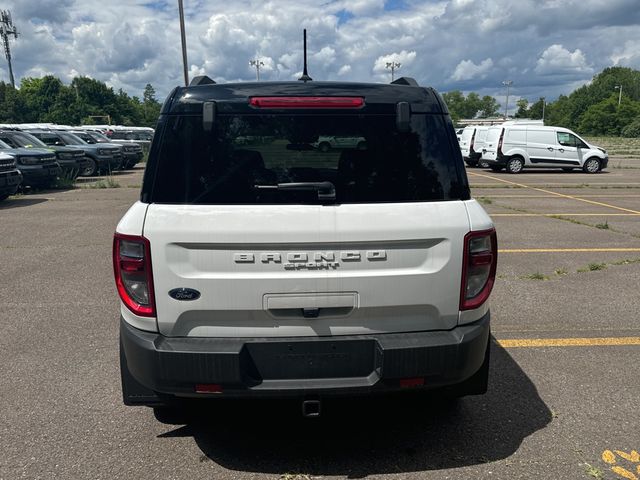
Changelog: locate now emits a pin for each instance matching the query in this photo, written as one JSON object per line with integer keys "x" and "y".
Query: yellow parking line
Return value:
{"x": 565, "y": 250}
{"x": 568, "y": 342}
{"x": 564, "y": 214}
{"x": 522, "y": 185}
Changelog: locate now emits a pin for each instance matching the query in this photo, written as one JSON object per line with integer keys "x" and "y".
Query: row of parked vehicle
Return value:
{"x": 37, "y": 155}
{"x": 519, "y": 144}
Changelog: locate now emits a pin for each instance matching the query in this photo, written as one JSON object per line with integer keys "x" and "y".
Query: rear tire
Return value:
{"x": 592, "y": 165}
{"x": 515, "y": 165}
{"x": 483, "y": 164}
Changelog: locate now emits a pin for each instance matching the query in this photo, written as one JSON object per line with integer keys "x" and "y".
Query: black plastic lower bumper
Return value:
{"x": 39, "y": 175}
{"x": 154, "y": 366}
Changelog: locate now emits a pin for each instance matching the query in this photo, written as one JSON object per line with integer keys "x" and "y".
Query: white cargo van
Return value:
{"x": 516, "y": 146}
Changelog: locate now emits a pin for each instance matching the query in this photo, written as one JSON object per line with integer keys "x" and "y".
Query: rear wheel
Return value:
{"x": 483, "y": 164}
{"x": 592, "y": 165}
{"x": 515, "y": 165}
{"x": 90, "y": 169}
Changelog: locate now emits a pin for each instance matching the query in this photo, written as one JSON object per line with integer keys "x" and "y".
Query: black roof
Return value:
{"x": 234, "y": 97}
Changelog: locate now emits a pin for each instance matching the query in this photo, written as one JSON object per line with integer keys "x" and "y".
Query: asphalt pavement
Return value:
{"x": 564, "y": 393}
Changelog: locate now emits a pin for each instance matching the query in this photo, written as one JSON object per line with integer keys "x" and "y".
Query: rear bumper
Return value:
{"x": 155, "y": 367}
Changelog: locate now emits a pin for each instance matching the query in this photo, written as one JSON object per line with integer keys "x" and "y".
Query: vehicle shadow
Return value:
{"x": 361, "y": 437}
{"x": 16, "y": 202}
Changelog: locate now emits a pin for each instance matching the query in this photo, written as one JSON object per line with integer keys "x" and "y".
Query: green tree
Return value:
{"x": 523, "y": 108}
{"x": 489, "y": 107}
{"x": 609, "y": 118}
{"x": 535, "y": 110}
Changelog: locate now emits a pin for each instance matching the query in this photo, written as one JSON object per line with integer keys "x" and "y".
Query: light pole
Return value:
{"x": 183, "y": 38}
{"x": 393, "y": 66}
{"x": 257, "y": 63}
{"x": 543, "y": 105}
{"x": 508, "y": 84}
{"x": 619, "y": 87}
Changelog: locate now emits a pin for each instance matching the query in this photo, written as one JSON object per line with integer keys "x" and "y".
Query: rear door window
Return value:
{"x": 363, "y": 156}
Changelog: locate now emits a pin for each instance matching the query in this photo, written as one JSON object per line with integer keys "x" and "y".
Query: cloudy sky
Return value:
{"x": 547, "y": 47}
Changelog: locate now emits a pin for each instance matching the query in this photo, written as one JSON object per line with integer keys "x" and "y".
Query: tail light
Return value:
{"x": 500, "y": 143}
{"x": 132, "y": 269}
{"x": 478, "y": 268}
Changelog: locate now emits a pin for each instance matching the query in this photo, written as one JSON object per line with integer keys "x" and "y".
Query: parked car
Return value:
{"x": 10, "y": 176}
{"x": 132, "y": 152}
{"x": 38, "y": 167}
{"x": 71, "y": 160}
{"x": 276, "y": 270}
{"x": 519, "y": 146}
{"x": 324, "y": 144}
{"x": 127, "y": 136}
{"x": 101, "y": 159}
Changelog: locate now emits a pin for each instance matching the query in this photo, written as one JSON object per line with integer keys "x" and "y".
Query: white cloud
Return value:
{"x": 467, "y": 70}
{"x": 558, "y": 60}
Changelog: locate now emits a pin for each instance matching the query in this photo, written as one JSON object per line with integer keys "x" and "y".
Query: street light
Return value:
{"x": 508, "y": 84}
{"x": 543, "y": 105}
{"x": 393, "y": 66}
{"x": 619, "y": 87}
{"x": 257, "y": 63}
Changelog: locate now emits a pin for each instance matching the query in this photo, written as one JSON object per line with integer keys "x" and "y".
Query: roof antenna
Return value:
{"x": 305, "y": 76}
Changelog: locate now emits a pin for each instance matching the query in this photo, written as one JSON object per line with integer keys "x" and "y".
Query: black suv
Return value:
{"x": 131, "y": 152}
{"x": 71, "y": 160}
{"x": 39, "y": 168}
{"x": 10, "y": 176}
{"x": 101, "y": 159}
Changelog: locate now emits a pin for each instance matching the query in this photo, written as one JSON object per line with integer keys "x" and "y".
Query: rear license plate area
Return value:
{"x": 309, "y": 360}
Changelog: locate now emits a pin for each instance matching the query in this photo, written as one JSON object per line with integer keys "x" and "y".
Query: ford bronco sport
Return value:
{"x": 255, "y": 264}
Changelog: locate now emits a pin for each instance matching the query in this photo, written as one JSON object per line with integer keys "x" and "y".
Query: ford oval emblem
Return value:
{"x": 184, "y": 294}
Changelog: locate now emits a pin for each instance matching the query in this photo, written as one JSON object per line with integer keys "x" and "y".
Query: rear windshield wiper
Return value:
{"x": 326, "y": 190}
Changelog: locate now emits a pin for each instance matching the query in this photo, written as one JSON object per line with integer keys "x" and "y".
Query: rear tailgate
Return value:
{"x": 307, "y": 270}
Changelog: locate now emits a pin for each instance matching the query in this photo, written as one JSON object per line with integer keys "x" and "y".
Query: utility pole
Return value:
{"x": 619, "y": 87}
{"x": 257, "y": 63}
{"x": 508, "y": 84}
{"x": 7, "y": 28}
{"x": 544, "y": 101}
{"x": 183, "y": 37}
{"x": 393, "y": 66}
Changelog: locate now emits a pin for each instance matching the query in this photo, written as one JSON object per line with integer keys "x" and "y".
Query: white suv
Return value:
{"x": 269, "y": 267}
{"x": 517, "y": 146}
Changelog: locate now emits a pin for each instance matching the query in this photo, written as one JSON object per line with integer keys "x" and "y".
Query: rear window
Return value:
{"x": 364, "y": 156}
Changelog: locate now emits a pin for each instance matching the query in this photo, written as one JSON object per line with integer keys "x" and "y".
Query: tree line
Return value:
{"x": 84, "y": 101}
{"x": 592, "y": 109}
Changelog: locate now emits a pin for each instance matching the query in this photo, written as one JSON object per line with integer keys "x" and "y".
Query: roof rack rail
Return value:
{"x": 411, "y": 82}
{"x": 201, "y": 80}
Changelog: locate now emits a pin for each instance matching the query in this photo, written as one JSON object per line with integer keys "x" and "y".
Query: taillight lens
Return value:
{"x": 479, "y": 268}
{"x": 132, "y": 269}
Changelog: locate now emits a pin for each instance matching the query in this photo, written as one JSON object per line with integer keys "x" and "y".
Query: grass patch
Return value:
{"x": 603, "y": 226}
{"x": 626, "y": 261}
{"x": 485, "y": 200}
{"x": 535, "y": 276}
{"x": 593, "y": 472}
{"x": 593, "y": 267}
{"x": 560, "y": 271}
{"x": 108, "y": 182}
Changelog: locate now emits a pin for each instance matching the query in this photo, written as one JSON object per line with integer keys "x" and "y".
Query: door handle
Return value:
{"x": 550, "y": 149}
{"x": 561, "y": 150}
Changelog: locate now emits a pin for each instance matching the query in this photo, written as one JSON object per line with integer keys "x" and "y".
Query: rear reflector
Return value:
{"x": 411, "y": 382}
{"x": 208, "y": 388}
{"x": 307, "y": 102}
